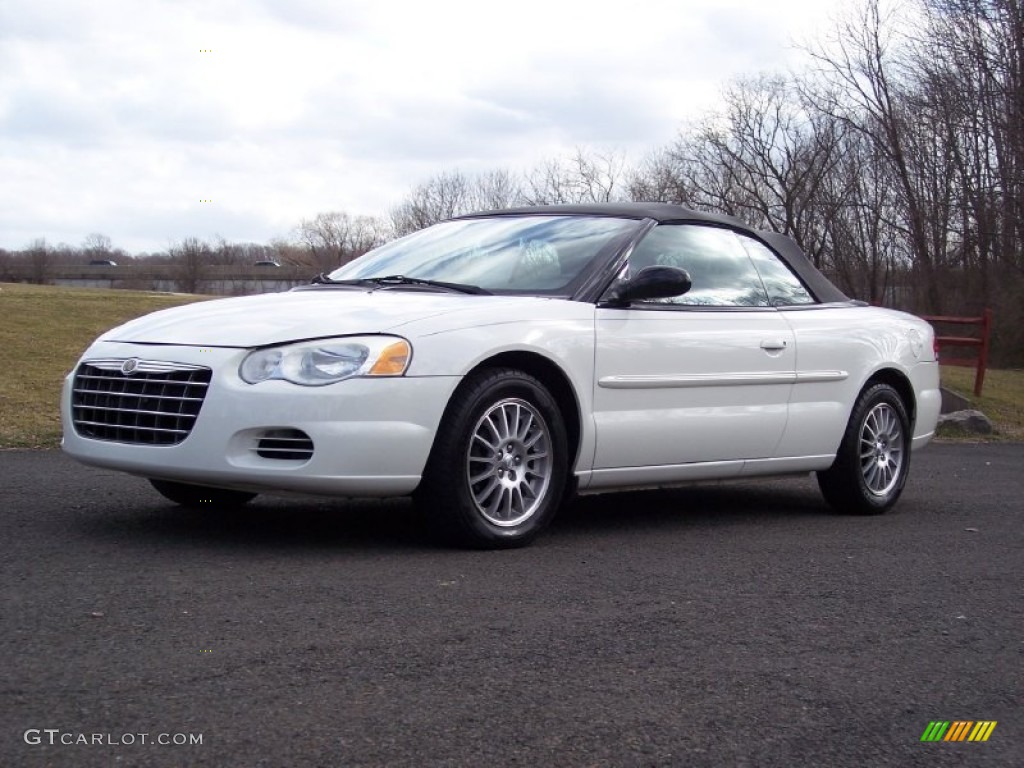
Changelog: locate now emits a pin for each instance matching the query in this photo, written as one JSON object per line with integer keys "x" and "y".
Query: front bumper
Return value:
{"x": 371, "y": 437}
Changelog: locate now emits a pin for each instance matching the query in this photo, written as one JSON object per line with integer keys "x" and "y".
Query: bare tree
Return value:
{"x": 189, "y": 257}
{"x": 335, "y": 238}
{"x": 866, "y": 249}
{"x": 437, "y": 199}
{"x": 865, "y": 80}
{"x": 40, "y": 258}
{"x": 495, "y": 190}
{"x": 97, "y": 246}
{"x": 284, "y": 252}
{"x": 224, "y": 253}
{"x": 971, "y": 59}
{"x": 663, "y": 176}
{"x": 454, "y": 193}
{"x": 764, "y": 159}
{"x": 584, "y": 177}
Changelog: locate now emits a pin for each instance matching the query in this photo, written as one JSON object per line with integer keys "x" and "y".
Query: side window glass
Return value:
{"x": 784, "y": 288}
{"x": 721, "y": 272}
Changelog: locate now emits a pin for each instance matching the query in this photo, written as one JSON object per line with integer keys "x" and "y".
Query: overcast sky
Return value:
{"x": 120, "y": 116}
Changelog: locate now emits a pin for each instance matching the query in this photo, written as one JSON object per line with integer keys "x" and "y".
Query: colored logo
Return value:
{"x": 958, "y": 730}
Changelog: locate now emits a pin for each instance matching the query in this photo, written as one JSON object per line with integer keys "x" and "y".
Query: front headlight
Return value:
{"x": 316, "y": 363}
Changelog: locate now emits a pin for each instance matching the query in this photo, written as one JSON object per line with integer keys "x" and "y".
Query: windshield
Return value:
{"x": 514, "y": 254}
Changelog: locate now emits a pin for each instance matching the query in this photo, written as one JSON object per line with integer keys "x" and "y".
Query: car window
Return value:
{"x": 784, "y": 288}
{"x": 516, "y": 254}
{"x": 721, "y": 272}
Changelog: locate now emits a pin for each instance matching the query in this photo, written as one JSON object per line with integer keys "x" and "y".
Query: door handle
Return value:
{"x": 773, "y": 345}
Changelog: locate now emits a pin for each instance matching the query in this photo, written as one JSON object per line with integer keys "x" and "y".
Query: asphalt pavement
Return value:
{"x": 723, "y": 625}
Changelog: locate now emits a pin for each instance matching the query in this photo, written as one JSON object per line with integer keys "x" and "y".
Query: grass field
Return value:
{"x": 44, "y": 329}
{"x": 1002, "y": 398}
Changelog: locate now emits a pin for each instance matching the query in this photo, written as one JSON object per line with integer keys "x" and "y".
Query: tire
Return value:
{"x": 200, "y": 497}
{"x": 871, "y": 465}
{"x": 497, "y": 471}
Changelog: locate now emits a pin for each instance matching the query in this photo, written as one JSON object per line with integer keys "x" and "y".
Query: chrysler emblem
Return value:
{"x": 128, "y": 366}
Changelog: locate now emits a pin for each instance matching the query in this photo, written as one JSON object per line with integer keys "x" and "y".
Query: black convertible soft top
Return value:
{"x": 790, "y": 252}
{"x": 784, "y": 246}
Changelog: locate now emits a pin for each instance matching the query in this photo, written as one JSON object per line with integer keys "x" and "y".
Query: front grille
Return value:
{"x": 154, "y": 404}
{"x": 285, "y": 445}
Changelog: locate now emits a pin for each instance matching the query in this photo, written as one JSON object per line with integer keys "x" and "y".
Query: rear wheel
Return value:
{"x": 874, "y": 457}
{"x": 497, "y": 472}
{"x": 200, "y": 497}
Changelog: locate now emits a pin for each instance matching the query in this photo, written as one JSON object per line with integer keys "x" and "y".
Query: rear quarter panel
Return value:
{"x": 859, "y": 341}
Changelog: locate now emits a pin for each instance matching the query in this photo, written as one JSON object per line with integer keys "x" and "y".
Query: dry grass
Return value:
{"x": 1002, "y": 397}
{"x": 43, "y": 330}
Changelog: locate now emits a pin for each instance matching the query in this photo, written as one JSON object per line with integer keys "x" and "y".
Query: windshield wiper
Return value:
{"x": 324, "y": 279}
{"x": 476, "y": 290}
{"x": 403, "y": 280}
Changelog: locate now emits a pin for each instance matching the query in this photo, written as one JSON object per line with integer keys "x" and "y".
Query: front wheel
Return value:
{"x": 497, "y": 472}
{"x": 200, "y": 497}
{"x": 874, "y": 456}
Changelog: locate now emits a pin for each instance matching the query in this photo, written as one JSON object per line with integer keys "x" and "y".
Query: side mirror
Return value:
{"x": 657, "y": 282}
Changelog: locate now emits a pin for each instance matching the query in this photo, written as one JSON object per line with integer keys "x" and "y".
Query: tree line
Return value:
{"x": 894, "y": 157}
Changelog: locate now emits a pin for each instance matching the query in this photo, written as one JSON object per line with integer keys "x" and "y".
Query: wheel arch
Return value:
{"x": 898, "y": 381}
{"x": 548, "y": 373}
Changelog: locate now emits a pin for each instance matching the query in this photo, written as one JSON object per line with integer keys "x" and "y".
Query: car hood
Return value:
{"x": 253, "y": 321}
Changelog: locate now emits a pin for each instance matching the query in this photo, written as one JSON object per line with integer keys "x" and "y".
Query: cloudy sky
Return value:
{"x": 121, "y": 116}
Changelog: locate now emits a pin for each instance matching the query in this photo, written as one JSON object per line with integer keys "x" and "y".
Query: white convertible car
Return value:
{"x": 493, "y": 364}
